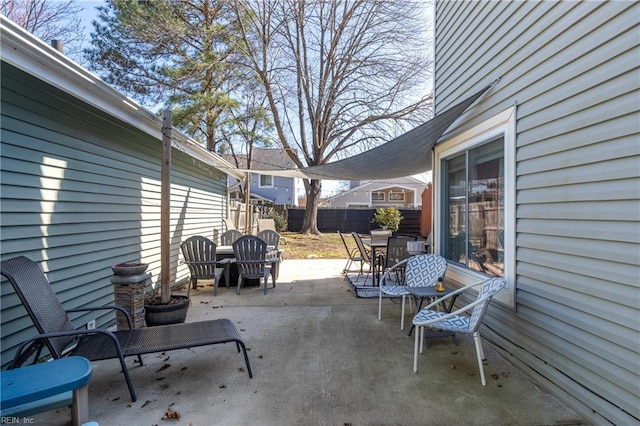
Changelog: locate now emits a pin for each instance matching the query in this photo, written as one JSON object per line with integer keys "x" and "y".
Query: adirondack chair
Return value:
{"x": 58, "y": 334}
{"x": 200, "y": 256}
{"x": 229, "y": 236}
{"x": 272, "y": 238}
{"x": 251, "y": 257}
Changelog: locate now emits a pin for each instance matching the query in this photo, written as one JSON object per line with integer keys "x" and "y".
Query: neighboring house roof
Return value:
{"x": 264, "y": 159}
{"x": 53, "y": 67}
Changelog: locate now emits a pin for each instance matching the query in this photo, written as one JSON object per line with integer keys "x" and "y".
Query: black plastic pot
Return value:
{"x": 172, "y": 313}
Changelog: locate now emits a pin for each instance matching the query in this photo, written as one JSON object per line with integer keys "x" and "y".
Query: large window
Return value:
{"x": 473, "y": 208}
{"x": 474, "y": 203}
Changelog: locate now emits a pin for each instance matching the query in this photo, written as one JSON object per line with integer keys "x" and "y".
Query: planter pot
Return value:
{"x": 173, "y": 313}
{"x": 126, "y": 269}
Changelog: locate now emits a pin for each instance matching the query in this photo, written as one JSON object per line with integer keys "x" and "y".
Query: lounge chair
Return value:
{"x": 58, "y": 333}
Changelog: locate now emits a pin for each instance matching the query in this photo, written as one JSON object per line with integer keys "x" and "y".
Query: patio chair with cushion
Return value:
{"x": 419, "y": 271}
{"x": 200, "y": 256}
{"x": 250, "y": 254}
{"x": 466, "y": 320}
{"x": 58, "y": 334}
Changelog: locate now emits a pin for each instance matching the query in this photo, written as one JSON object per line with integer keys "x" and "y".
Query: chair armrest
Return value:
{"x": 104, "y": 308}
{"x": 14, "y": 363}
{"x": 449, "y": 315}
{"x": 388, "y": 271}
{"x": 452, "y": 294}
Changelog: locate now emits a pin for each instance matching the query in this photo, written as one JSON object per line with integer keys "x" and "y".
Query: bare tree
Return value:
{"x": 340, "y": 76}
{"x": 49, "y": 20}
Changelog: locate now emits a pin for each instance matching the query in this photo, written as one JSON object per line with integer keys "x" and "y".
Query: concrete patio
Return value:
{"x": 319, "y": 357}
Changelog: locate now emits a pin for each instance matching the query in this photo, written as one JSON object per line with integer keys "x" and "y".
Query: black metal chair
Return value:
{"x": 200, "y": 256}
{"x": 397, "y": 251}
{"x": 58, "y": 334}
{"x": 366, "y": 257}
{"x": 352, "y": 256}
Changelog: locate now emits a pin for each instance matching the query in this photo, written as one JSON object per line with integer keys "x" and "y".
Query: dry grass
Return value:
{"x": 324, "y": 246}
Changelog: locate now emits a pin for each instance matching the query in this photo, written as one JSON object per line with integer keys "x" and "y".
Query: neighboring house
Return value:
{"x": 405, "y": 192}
{"x": 539, "y": 181}
{"x": 80, "y": 182}
{"x": 277, "y": 189}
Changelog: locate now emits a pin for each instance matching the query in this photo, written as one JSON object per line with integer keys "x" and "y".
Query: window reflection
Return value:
{"x": 474, "y": 208}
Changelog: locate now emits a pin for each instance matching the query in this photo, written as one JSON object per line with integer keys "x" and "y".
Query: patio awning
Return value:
{"x": 408, "y": 154}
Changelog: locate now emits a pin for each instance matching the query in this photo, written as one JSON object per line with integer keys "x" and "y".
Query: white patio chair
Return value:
{"x": 456, "y": 321}
{"x": 422, "y": 270}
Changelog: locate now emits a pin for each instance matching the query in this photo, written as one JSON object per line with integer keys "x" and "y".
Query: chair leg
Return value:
{"x": 239, "y": 284}
{"x": 479, "y": 354}
{"x": 380, "y": 305}
{"x": 266, "y": 280}
{"x": 216, "y": 281}
{"x": 226, "y": 270}
{"x": 402, "y": 317}
{"x": 415, "y": 349}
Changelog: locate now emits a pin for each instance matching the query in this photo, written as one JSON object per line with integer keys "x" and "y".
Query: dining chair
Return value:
{"x": 352, "y": 256}
{"x": 466, "y": 320}
{"x": 397, "y": 251}
{"x": 419, "y": 271}
{"x": 365, "y": 255}
{"x": 250, "y": 254}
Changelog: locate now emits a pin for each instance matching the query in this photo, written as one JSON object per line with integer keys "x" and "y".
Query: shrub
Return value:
{"x": 387, "y": 217}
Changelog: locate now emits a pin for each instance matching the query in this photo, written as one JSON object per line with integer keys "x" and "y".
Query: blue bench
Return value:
{"x": 37, "y": 388}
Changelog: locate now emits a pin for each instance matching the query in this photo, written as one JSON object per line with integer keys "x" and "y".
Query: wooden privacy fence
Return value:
{"x": 350, "y": 220}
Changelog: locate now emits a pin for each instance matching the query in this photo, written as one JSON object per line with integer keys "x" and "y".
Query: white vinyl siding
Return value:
{"x": 572, "y": 70}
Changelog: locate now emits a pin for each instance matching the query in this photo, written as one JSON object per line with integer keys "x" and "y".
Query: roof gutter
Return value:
{"x": 30, "y": 54}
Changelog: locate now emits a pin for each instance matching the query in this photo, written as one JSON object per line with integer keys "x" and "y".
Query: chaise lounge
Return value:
{"x": 58, "y": 333}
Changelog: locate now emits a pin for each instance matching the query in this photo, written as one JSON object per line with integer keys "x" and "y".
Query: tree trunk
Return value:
{"x": 313, "y": 189}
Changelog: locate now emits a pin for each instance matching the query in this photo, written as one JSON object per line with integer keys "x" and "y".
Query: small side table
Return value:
{"x": 420, "y": 294}
{"x": 42, "y": 387}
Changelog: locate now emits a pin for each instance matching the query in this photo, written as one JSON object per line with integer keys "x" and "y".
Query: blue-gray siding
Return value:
{"x": 80, "y": 192}
{"x": 572, "y": 69}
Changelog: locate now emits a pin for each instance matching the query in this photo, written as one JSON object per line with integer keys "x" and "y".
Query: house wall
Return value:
{"x": 283, "y": 190}
{"x": 80, "y": 192}
{"x": 361, "y": 196}
{"x": 572, "y": 70}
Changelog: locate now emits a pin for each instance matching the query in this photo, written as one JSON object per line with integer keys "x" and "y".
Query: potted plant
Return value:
{"x": 388, "y": 218}
{"x": 158, "y": 313}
